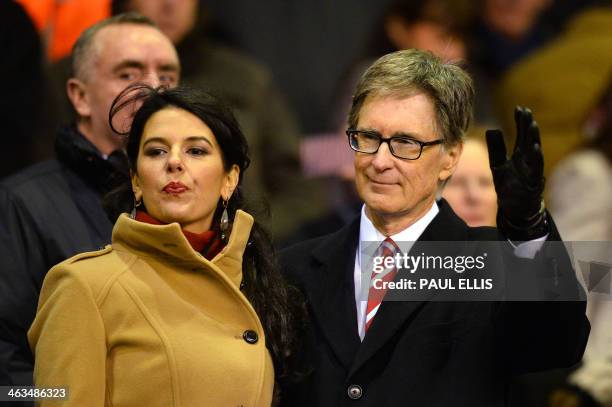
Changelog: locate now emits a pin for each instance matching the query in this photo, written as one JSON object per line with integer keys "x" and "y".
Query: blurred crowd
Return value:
{"x": 287, "y": 70}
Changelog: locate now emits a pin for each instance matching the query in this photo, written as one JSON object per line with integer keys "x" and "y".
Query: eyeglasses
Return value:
{"x": 400, "y": 146}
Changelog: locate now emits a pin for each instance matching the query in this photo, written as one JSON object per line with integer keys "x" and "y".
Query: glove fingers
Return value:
{"x": 523, "y": 119}
{"x": 518, "y": 121}
{"x": 496, "y": 147}
{"x": 527, "y": 122}
{"x": 534, "y": 156}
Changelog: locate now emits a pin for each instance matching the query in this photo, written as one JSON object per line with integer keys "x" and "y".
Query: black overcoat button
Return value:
{"x": 354, "y": 392}
{"x": 250, "y": 336}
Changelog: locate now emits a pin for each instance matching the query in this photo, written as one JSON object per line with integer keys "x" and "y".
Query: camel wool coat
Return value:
{"x": 148, "y": 321}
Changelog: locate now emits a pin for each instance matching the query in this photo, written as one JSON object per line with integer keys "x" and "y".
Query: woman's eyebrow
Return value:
{"x": 164, "y": 141}
{"x": 199, "y": 138}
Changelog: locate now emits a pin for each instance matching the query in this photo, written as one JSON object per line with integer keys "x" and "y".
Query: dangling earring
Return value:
{"x": 224, "y": 222}
{"x": 136, "y": 205}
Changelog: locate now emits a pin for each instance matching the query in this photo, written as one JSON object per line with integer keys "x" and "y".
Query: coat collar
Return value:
{"x": 168, "y": 243}
{"x": 78, "y": 153}
{"x": 445, "y": 226}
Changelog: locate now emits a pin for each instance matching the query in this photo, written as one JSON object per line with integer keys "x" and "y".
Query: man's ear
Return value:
{"x": 450, "y": 159}
{"x": 77, "y": 93}
{"x": 231, "y": 182}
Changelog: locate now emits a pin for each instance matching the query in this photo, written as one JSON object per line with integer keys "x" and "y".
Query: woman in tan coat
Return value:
{"x": 186, "y": 307}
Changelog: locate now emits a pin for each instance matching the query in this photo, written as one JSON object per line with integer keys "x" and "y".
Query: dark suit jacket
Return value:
{"x": 422, "y": 353}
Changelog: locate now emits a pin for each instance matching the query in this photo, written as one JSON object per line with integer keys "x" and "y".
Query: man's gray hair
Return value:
{"x": 409, "y": 72}
{"x": 82, "y": 50}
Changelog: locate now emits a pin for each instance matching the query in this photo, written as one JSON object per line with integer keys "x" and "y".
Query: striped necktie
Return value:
{"x": 388, "y": 248}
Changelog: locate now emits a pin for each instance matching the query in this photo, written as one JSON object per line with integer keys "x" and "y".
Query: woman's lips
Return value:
{"x": 175, "y": 188}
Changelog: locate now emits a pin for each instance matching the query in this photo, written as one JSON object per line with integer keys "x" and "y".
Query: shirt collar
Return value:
{"x": 369, "y": 233}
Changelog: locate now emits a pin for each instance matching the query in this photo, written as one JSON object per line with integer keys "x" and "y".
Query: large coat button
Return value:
{"x": 355, "y": 392}
{"x": 250, "y": 336}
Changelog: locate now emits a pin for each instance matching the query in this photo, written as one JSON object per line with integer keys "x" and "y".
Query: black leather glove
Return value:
{"x": 519, "y": 181}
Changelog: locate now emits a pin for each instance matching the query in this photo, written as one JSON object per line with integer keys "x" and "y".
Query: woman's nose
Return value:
{"x": 174, "y": 162}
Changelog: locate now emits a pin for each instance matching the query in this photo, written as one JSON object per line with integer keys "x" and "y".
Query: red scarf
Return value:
{"x": 208, "y": 243}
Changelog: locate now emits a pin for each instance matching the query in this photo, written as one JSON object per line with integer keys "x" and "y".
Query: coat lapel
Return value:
{"x": 393, "y": 316}
{"x": 332, "y": 292}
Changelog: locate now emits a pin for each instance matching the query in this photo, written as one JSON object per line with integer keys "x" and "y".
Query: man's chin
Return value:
{"x": 381, "y": 208}
{"x": 381, "y": 200}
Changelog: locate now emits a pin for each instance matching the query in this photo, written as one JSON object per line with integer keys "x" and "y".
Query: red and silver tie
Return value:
{"x": 388, "y": 248}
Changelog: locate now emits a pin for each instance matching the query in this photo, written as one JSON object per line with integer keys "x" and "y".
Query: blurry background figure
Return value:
{"x": 470, "y": 191}
{"x": 506, "y": 31}
{"x": 581, "y": 185}
{"x": 61, "y": 21}
{"x": 562, "y": 81}
{"x": 433, "y": 25}
{"x": 514, "y": 19}
{"x": 25, "y": 108}
{"x": 270, "y": 127}
{"x": 581, "y": 201}
{"x": 509, "y": 30}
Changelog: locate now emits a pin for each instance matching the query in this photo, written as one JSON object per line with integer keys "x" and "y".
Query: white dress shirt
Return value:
{"x": 369, "y": 233}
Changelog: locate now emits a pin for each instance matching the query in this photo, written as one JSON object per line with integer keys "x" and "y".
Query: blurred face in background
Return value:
{"x": 426, "y": 35}
{"x": 470, "y": 191}
{"x": 176, "y": 18}
{"x": 121, "y": 54}
{"x": 513, "y": 18}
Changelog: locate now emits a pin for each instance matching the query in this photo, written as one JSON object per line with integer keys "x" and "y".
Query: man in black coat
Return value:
{"x": 53, "y": 210}
{"x": 408, "y": 115}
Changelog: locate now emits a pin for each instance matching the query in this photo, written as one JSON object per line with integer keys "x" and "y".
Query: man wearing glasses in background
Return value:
{"x": 408, "y": 115}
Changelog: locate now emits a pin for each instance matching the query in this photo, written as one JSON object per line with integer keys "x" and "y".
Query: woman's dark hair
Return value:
{"x": 275, "y": 302}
